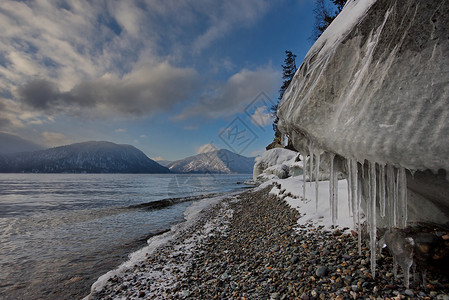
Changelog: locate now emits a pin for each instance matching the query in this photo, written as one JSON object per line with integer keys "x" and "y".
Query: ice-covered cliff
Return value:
{"x": 375, "y": 88}
{"x": 375, "y": 85}
{"x": 371, "y": 101}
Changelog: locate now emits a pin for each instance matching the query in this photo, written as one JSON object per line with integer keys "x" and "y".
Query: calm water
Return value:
{"x": 60, "y": 232}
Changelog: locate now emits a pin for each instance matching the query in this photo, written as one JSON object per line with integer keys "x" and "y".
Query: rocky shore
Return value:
{"x": 250, "y": 247}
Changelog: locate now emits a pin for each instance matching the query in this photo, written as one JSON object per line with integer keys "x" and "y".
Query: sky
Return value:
{"x": 171, "y": 77}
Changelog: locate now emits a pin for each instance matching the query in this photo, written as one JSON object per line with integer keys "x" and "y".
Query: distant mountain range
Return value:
{"x": 10, "y": 143}
{"x": 20, "y": 156}
{"x": 87, "y": 157}
{"x": 219, "y": 161}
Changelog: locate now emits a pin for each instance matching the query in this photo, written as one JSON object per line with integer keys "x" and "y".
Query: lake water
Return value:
{"x": 60, "y": 232}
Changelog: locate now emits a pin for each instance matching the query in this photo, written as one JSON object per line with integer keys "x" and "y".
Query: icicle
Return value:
{"x": 317, "y": 174}
{"x": 395, "y": 198}
{"x": 331, "y": 180}
{"x": 304, "y": 175}
{"x": 395, "y": 268}
{"x": 401, "y": 247}
{"x": 335, "y": 198}
{"x": 359, "y": 227}
{"x": 348, "y": 180}
{"x": 406, "y": 277}
{"x": 402, "y": 198}
{"x": 390, "y": 195}
{"x": 311, "y": 166}
{"x": 331, "y": 186}
{"x": 355, "y": 206}
{"x": 372, "y": 215}
{"x": 382, "y": 190}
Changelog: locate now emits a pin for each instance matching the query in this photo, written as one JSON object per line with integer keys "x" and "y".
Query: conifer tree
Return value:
{"x": 289, "y": 70}
{"x": 324, "y": 16}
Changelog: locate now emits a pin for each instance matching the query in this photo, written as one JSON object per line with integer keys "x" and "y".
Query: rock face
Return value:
{"x": 374, "y": 88}
{"x": 88, "y": 157}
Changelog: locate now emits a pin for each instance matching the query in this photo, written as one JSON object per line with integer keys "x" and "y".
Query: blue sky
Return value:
{"x": 167, "y": 76}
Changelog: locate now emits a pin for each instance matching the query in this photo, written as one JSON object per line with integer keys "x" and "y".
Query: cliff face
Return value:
{"x": 374, "y": 89}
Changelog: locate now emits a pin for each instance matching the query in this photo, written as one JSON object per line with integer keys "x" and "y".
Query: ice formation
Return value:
{"x": 274, "y": 162}
{"x": 401, "y": 248}
{"x": 373, "y": 95}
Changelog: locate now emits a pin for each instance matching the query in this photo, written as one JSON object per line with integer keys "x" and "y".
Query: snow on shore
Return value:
{"x": 314, "y": 203}
{"x": 291, "y": 190}
{"x": 181, "y": 239}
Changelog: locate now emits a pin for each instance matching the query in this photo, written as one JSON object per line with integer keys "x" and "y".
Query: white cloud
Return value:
{"x": 129, "y": 17}
{"x": 191, "y": 127}
{"x": 228, "y": 15}
{"x": 257, "y": 152}
{"x": 12, "y": 115}
{"x": 143, "y": 136}
{"x": 234, "y": 95}
{"x": 120, "y": 130}
{"x": 206, "y": 148}
{"x": 262, "y": 116}
{"x": 159, "y": 158}
{"x": 54, "y": 139}
{"x": 145, "y": 91}
{"x": 100, "y": 58}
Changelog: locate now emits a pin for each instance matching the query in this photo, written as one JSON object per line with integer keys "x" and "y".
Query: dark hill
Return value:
{"x": 87, "y": 157}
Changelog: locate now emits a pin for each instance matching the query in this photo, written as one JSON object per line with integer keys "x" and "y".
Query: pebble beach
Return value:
{"x": 250, "y": 246}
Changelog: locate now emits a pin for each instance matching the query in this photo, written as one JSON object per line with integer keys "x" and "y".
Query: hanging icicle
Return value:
{"x": 311, "y": 166}
{"x": 402, "y": 198}
{"x": 317, "y": 174}
{"x": 391, "y": 196}
{"x": 355, "y": 203}
{"x": 331, "y": 185}
{"x": 359, "y": 200}
{"x": 335, "y": 197}
{"x": 372, "y": 215}
{"x": 348, "y": 180}
{"x": 304, "y": 175}
{"x": 382, "y": 190}
{"x": 395, "y": 198}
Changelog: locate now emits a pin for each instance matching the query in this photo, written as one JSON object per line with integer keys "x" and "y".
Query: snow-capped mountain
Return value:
{"x": 10, "y": 143}
{"x": 218, "y": 161}
{"x": 164, "y": 162}
{"x": 87, "y": 157}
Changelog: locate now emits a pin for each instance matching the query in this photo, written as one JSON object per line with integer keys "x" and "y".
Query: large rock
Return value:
{"x": 375, "y": 88}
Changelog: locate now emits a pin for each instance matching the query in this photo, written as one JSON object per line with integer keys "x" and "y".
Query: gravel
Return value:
{"x": 252, "y": 248}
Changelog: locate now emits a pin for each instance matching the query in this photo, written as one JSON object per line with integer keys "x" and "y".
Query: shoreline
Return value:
{"x": 250, "y": 246}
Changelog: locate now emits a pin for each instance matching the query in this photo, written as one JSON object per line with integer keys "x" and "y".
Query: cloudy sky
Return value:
{"x": 171, "y": 77}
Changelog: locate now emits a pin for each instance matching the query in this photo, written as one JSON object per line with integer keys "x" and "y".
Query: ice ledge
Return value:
{"x": 378, "y": 92}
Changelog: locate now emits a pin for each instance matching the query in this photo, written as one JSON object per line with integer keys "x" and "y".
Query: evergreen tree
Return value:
{"x": 289, "y": 70}
{"x": 324, "y": 16}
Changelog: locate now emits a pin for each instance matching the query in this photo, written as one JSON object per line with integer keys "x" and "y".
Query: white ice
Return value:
{"x": 310, "y": 215}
